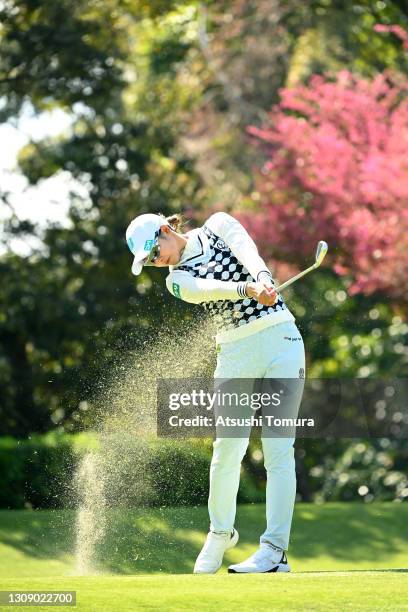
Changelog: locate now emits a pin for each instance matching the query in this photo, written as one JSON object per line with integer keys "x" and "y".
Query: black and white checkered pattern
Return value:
{"x": 223, "y": 265}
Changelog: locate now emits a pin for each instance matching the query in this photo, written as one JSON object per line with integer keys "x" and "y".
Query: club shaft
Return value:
{"x": 295, "y": 278}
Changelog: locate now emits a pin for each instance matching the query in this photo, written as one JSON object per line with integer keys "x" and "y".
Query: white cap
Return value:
{"x": 141, "y": 236}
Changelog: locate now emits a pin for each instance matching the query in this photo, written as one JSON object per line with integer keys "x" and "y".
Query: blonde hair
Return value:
{"x": 176, "y": 221}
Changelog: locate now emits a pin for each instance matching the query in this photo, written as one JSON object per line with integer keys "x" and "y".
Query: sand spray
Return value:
{"x": 116, "y": 474}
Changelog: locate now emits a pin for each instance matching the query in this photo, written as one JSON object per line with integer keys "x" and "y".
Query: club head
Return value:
{"x": 321, "y": 252}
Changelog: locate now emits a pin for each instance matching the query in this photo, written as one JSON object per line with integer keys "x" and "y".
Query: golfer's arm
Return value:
{"x": 241, "y": 244}
{"x": 196, "y": 290}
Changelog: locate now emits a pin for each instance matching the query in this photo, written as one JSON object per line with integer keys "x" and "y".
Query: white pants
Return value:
{"x": 274, "y": 352}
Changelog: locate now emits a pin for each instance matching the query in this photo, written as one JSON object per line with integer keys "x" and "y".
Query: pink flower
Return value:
{"x": 338, "y": 170}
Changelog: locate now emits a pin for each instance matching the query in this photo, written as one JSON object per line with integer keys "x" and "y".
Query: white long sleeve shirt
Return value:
{"x": 219, "y": 259}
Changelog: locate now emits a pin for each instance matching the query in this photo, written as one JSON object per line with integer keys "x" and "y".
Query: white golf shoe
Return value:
{"x": 266, "y": 559}
{"x": 210, "y": 558}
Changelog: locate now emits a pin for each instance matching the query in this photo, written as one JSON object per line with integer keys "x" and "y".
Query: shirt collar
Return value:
{"x": 192, "y": 249}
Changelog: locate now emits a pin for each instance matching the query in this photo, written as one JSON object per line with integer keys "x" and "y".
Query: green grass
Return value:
{"x": 343, "y": 556}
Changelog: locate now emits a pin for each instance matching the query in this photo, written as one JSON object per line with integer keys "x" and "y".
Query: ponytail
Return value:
{"x": 175, "y": 221}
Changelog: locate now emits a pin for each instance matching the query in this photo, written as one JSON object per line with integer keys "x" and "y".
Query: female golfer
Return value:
{"x": 218, "y": 266}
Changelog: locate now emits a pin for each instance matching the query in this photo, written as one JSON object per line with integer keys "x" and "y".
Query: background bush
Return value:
{"x": 38, "y": 472}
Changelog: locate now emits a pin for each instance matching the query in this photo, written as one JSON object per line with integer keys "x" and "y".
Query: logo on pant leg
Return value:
{"x": 289, "y": 338}
{"x": 301, "y": 373}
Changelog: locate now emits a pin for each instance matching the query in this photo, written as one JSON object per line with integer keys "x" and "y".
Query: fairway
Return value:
{"x": 343, "y": 556}
{"x": 297, "y": 591}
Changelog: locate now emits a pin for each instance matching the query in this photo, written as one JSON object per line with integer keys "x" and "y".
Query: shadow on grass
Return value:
{"x": 136, "y": 540}
{"x": 168, "y": 539}
{"x": 350, "y": 531}
{"x": 41, "y": 534}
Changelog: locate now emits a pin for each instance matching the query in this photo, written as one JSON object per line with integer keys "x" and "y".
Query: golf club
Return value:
{"x": 321, "y": 251}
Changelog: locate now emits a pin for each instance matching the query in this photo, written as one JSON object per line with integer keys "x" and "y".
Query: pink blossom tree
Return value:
{"x": 337, "y": 169}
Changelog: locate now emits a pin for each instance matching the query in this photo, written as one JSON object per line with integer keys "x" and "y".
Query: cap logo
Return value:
{"x": 148, "y": 245}
{"x": 130, "y": 244}
{"x": 176, "y": 290}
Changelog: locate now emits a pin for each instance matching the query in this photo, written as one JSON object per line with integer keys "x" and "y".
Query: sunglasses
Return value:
{"x": 154, "y": 253}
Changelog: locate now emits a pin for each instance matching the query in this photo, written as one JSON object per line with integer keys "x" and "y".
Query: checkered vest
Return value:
{"x": 223, "y": 265}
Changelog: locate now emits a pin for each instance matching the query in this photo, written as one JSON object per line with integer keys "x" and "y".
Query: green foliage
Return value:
{"x": 38, "y": 472}
{"x": 348, "y": 337}
{"x": 160, "y": 472}
{"x": 330, "y": 469}
{"x": 34, "y": 471}
{"x": 367, "y": 469}
{"x": 58, "y": 52}
{"x": 339, "y": 35}
{"x": 73, "y": 306}
{"x": 157, "y": 126}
